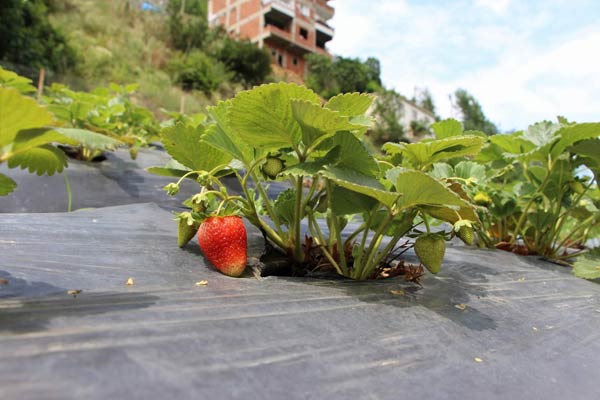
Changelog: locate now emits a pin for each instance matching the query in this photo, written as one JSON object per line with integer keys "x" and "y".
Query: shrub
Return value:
{"x": 249, "y": 64}
{"x": 197, "y": 71}
{"x": 29, "y": 39}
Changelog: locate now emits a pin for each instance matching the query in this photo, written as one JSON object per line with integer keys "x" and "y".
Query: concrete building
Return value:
{"x": 415, "y": 120}
{"x": 290, "y": 29}
{"x": 412, "y": 113}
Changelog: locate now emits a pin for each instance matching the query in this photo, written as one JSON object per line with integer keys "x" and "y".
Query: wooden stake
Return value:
{"x": 182, "y": 104}
{"x": 40, "y": 88}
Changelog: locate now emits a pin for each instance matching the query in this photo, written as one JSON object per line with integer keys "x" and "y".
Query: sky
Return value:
{"x": 524, "y": 61}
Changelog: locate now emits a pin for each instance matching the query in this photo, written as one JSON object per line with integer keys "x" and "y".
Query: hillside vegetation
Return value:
{"x": 179, "y": 62}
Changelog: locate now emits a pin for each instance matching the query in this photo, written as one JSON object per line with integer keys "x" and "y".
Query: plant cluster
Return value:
{"x": 283, "y": 133}
{"x": 108, "y": 111}
{"x": 536, "y": 190}
{"x": 29, "y": 132}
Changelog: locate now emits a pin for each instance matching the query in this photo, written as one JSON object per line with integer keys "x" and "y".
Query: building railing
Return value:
{"x": 287, "y": 4}
{"x": 279, "y": 32}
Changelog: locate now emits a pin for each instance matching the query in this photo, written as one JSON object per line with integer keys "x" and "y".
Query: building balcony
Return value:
{"x": 285, "y": 39}
{"x": 324, "y": 34}
{"x": 284, "y": 7}
{"x": 324, "y": 30}
{"x": 324, "y": 10}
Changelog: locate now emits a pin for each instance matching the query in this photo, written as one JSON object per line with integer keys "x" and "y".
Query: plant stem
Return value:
{"x": 263, "y": 194}
{"x": 363, "y": 243}
{"x": 582, "y": 225}
{"x": 563, "y": 216}
{"x": 426, "y": 222}
{"x": 388, "y": 248}
{"x": 373, "y": 246}
{"x": 354, "y": 234}
{"x": 523, "y": 217}
{"x": 298, "y": 254}
{"x": 69, "y": 192}
{"x": 336, "y": 231}
{"x": 313, "y": 226}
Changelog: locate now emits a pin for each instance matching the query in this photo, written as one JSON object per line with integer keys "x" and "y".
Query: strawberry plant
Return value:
{"x": 107, "y": 111}
{"x": 283, "y": 133}
{"x": 546, "y": 187}
{"x": 536, "y": 189}
{"x": 28, "y": 133}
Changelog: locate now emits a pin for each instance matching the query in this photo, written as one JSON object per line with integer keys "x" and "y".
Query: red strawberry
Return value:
{"x": 223, "y": 241}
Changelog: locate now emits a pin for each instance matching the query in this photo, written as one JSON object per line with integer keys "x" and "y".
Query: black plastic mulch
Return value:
{"x": 491, "y": 325}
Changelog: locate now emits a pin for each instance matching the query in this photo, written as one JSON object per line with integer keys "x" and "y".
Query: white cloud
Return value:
{"x": 513, "y": 68}
{"x": 497, "y": 6}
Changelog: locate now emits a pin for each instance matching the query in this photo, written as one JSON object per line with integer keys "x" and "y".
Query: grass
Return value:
{"x": 119, "y": 44}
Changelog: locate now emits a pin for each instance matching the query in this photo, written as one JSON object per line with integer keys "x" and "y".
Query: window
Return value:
{"x": 280, "y": 60}
{"x": 304, "y": 10}
{"x": 304, "y": 33}
{"x": 295, "y": 61}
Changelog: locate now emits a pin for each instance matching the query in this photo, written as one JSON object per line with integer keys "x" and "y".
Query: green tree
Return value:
{"x": 472, "y": 114}
{"x": 424, "y": 99}
{"x": 320, "y": 76}
{"x": 329, "y": 77}
{"x": 388, "y": 114}
{"x": 197, "y": 71}
{"x": 249, "y": 64}
{"x": 191, "y": 7}
{"x": 188, "y": 30}
{"x": 28, "y": 39}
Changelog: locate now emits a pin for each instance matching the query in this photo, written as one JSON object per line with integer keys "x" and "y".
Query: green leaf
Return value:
{"x": 89, "y": 139}
{"x": 541, "y": 133}
{"x": 418, "y": 189}
{"x": 573, "y": 134}
{"x": 132, "y": 87}
{"x": 422, "y": 154}
{"x": 447, "y": 128}
{"x": 285, "y": 204}
{"x": 587, "y": 266}
{"x": 30, "y": 138}
{"x": 45, "y": 159}
{"x": 221, "y": 135}
{"x": 352, "y": 153}
{"x": 312, "y": 168}
{"x": 441, "y": 170}
{"x": 512, "y": 143}
{"x": 346, "y": 202}
{"x": 588, "y": 148}
{"x": 350, "y": 104}
{"x": 185, "y": 145}
{"x": 360, "y": 183}
{"x": 400, "y": 225}
{"x": 589, "y": 153}
{"x": 18, "y": 112}
{"x": 7, "y": 185}
{"x": 173, "y": 168}
{"x": 22, "y": 84}
{"x": 318, "y": 123}
{"x": 470, "y": 170}
{"x": 263, "y": 116}
{"x": 540, "y": 219}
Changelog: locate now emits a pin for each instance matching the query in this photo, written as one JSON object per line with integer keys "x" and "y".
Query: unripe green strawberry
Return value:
{"x": 272, "y": 167}
{"x": 186, "y": 228}
{"x": 576, "y": 187}
{"x": 430, "y": 249}
{"x": 223, "y": 241}
{"x": 466, "y": 234}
